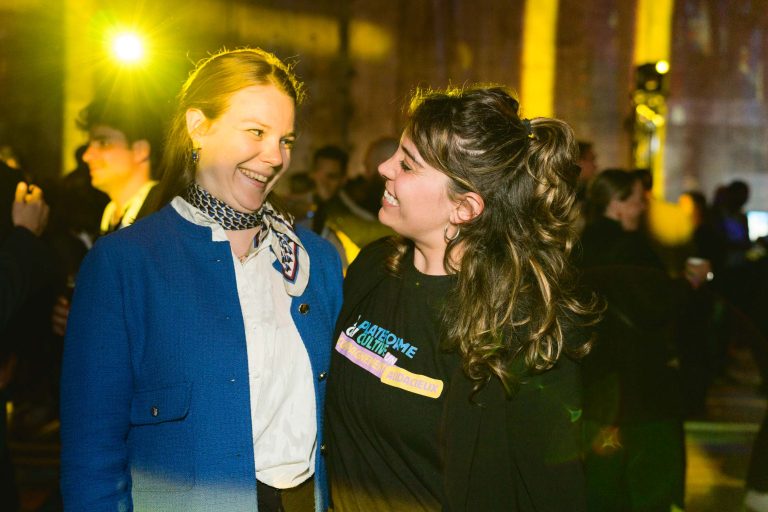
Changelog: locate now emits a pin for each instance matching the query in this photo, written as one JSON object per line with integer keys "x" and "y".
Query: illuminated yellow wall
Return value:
{"x": 653, "y": 30}
{"x": 78, "y": 75}
{"x": 538, "y": 68}
{"x": 653, "y": 36}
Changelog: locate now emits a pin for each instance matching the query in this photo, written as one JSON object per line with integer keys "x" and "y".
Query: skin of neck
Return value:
{"x": 241, "y": 240}
{"x": 122, "y": 194}
{"x": 429, "y": 259}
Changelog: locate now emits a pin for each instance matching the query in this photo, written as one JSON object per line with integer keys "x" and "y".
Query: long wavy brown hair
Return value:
{"x": 515, "y": 295}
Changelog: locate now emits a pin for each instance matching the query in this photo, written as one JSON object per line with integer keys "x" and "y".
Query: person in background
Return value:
{"x": 123, "y": 143}
{"x": 587, "y": 170}
{"x": 24, "y": 263}
{"x": 23, "y": 255}
{"x": 454, "y": 383}
{"x": 197, "y": 351}
{"x": 633, "y": 420}
{"x": 341, "y": 215}
{"x": 329, "y": 172}
{"x": 300, "y": 201}
{"x": 365, "y": 190}
{"x": 81, "y": 206}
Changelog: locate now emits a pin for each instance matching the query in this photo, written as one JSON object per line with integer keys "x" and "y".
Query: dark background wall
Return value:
{"x": 361, "y": 58}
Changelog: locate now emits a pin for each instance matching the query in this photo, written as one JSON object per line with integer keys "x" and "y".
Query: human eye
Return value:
{"x": 288, "y": 142}
{"x": 258, "y": 132}
{"x": 99, "y": 143}
{"x": 404, "y": 166}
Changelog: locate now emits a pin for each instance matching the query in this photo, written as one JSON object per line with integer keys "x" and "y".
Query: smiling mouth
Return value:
{"x": 253, "y": 175}
{"x": 390, "y": 199}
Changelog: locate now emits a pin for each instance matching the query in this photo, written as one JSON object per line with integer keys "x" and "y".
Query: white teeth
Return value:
{"x": 390, "y": 198}
{"x": 253, "y": 175}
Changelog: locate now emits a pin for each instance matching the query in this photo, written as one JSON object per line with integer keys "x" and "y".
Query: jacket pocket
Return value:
{"x": 160, "y": 439}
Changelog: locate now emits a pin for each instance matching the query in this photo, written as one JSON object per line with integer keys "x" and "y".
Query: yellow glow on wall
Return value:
{"x": 78, "y": 76}
{"x": 669, "y": 223}
{"x": 653, "y": 30}
{"x": 653, "y": 37}
{"x": 309, "y": 34}
{"x": 537, "y": 86}
{"x": 367, "y": 41}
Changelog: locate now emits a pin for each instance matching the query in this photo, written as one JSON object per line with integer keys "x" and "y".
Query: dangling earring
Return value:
{"x": 195, "y": 154}
{"x": 451, "y": 238}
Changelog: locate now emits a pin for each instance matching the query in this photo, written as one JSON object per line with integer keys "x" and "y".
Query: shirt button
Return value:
{"x": 322, "y": 376}
{"x": 154, "y": 411}
{"x": 323, "y": 449}
{"x": 304, "y": 308}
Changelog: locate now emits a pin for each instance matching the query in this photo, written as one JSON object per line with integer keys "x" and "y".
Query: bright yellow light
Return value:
{"x": 662, "y": 67}
{"x": 537, "y": 83}
{"x": 128, "y": 47}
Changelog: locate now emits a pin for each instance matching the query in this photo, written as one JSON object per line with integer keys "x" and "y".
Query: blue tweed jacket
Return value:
{"x": 155, "y": 411}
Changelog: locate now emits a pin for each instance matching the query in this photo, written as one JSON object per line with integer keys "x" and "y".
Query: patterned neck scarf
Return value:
{"x": 285, "y": 244}
{"x": 226, "y": 216}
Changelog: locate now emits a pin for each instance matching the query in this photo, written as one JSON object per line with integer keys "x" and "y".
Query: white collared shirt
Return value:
{"x": 131, "y": 210}
{"x": 283, "y": 411}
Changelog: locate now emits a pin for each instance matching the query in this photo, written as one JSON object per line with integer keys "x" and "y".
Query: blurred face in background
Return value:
{"x": 113, "y": 161}
{"x": 588, "y": 164}
{"x": 328, "y": 176}
{"x": 629, "y": 212}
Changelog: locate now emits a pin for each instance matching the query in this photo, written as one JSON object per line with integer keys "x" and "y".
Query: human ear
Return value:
{"x": 613, "y": 210}
{"x": 141, "y": 149}
{"x": 469, "y": 206}
{"x": 197, "y": 123}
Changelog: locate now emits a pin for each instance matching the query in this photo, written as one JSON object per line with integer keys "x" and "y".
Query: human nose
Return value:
{"x": 274, "y": 153}
{"x": 88, "y": 155}
{"x": 388, "y": 168}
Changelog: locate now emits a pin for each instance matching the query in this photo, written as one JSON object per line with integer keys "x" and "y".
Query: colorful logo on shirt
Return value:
{"x": 372, "y": 348}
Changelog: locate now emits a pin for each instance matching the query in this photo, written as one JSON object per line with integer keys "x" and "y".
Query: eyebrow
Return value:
{"x": 410, "y": 155}
{"x": 266, "y": 126}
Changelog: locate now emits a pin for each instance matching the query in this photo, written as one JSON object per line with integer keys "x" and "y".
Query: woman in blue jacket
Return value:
{"x": 198, "y": 341}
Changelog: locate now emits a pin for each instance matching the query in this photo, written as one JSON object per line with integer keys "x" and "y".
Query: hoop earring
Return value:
{"x": 195, "y": 155}
{"x": 451, "y": 238}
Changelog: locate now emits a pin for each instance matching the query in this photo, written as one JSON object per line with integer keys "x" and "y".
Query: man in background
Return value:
{"x": 123, "y": 145}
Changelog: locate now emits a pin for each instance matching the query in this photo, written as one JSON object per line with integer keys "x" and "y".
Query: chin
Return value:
{"x": 251, "y": 204}
{"x": 383, "y": 217}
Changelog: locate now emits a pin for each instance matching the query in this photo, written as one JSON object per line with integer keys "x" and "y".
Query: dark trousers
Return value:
{"x": 297, "y": 499}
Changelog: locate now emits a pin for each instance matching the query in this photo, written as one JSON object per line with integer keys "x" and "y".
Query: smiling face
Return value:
{"x": 415, "y": 203}
{"x": 247, "y": 149}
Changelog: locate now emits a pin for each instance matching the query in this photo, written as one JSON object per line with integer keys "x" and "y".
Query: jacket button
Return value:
{"x": 323, "y": 449}
{"x": 322, "y": 376}
{"x": 154, "y": 411}
{"x": 304, "y": 308}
